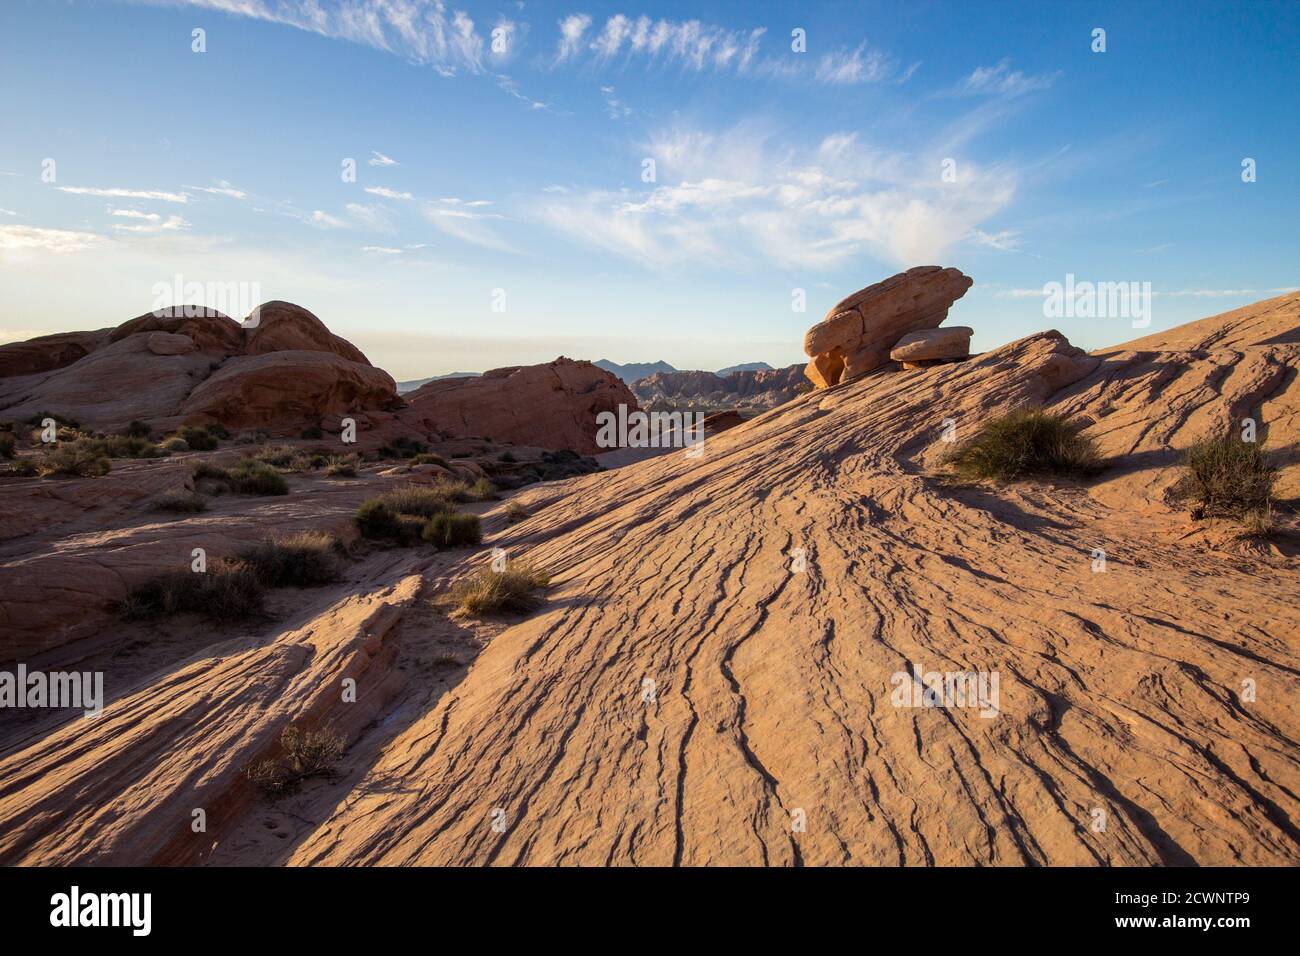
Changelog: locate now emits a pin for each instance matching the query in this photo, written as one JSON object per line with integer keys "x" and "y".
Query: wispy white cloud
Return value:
{"x": 382, "y": 250}
{"x": 370, "y": 216}
{"x": 857, "y": 66}
{"x": 462, "y": 221}
{"x": 1006, "y": 240}
{"x": 379, "y": 159}
{"x": 572, "y": 28}
{"x": 323, "y": 220}
{"x": 1001, "y": 80}
{"x": 222, "y": 188}
{"x": 387, "y": 193}
{"x": 738, "y": 199}
{"x": 7, "y": 212}
{"x": 118, "y": 193}
{"x": 152, "y": 222}
{"x": 615, "y": 107}
{"x": 14, "y": 238}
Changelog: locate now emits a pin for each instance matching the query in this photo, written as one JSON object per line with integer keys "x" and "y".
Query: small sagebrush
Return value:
{"x": 181, "y": 503}
{"x": 226, "y": 591}
{"x": 305, "y": 753}
{"x": 301, "y": 560}
{"x": 198, "y": 439}
{"x": 486, "y": 591}
{"x": 341, "y": 467}
{"x": 1026, "y": 444}
{"x": 452, "y": 530}
{"x": 246, "y": 477}
{"x": 515, "y": 512}
{"x": 81, "y": 459}
{"x": 1229, "y": 477}
{"x": 7, "y": 445}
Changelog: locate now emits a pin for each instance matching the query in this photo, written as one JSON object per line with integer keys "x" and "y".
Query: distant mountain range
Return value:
{"x": 635, "y": 371}
{"x": 415, "y": 383}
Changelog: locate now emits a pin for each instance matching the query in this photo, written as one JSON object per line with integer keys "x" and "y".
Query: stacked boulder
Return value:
{"x": 878, "y": 324}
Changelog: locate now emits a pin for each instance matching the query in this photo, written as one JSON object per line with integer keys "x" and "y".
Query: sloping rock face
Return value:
{"x": 779, "y": 591}
{"x": 291, "y": 388}
{"x": 858, "y": 332}
{"x": 548, "y": 406}
{"x": 192, "y": 365}
{"x": 674, "y": 384}
{"x": 930, "y": 344}
{"x": 49, "y": 352}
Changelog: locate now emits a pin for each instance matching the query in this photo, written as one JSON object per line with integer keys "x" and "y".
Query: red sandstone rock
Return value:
{"x": 548, "y": 406}
{"x": 858, "y": 332}
{"x": 49, "y": 352}
{"x": 282, "y": 326}
{"x": 947, "y": 343}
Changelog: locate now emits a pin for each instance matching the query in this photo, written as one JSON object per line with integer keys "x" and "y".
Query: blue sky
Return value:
{"x": 520, "y": 167}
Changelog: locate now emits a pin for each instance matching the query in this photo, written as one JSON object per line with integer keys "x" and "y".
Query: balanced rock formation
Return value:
{"x": 858, "y": 332}
{"x": 928, "y": 345}
{"x": 280, "y": 370}
{"x": 548, "y": 406}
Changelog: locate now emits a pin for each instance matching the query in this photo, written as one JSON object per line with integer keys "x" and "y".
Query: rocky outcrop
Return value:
{"x": 548, "y": 406}
{"x": 859, "y": 331}
{"x": 280, "y": 371}
{"x": 952, "y": 342}
{"x": 287, "y": 389}
{"x": 284, "y": 327}
{"x": 752, "y": 388}
{"x": 48, "y": 352}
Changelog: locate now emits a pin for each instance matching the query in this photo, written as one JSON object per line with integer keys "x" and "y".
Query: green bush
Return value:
{"x": 377, "y": 521}
{"x": 313, "y": 433}
{"x": 38, "y": 420}
{"x": 174, "y": 444}
{"x": 341, "y": 467}
{"x": 299, "y": 560}
{"x": 7, "y": 445}
{"x": 424, "y": 501}
{"x": 428, "y": 458}
{"x": 1026, "y": 444}
{"x": 250, "y": 477}
{"x": 483, "y": 490}
{"x": 227, "y": 591}
{"x": 138, "y": 429}
{"x": 217, "y": 430}
{"x": 184, "y": 503}
{"x": 199, "y": 439}
{"x": 452, "y": 530}
{"x": 81, "y": 458}
{"x": 486, "y": 591}
{"x": 402, "y": 448}
{"x": 515, "y": 512}
{"x": 1228, "y": 476}
{"x": 22, "y": 468}
{"x": 122, "y": 446}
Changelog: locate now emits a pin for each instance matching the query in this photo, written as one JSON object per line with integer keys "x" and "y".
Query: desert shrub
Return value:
{"x": 428, "y": 458}
{"x": 7, "y": 445}
{"x": 138, "y": 429}
{"x": 486, "y": 591}
{"x": 183, "y": 503}
{"x": 507, "y": 456}
{"x": 249, "y": 477}
{"x": 174, "y": 444}
{"x": 246, "y": 477}
{"x": 1230, "y": 477}
{"x": 377, "y": 521}
{"x": 452, "y": 530}
{"x": 217, "y": 430}
{"x": 22, "y": 468}
{"x": 515, "y": 512}
{"x": 290, "y": 458}
{"x": 304, "y": 753}
{"x": 341, "y": 467}
{"x": 199, "y": 439}
{"x": 123, "y": 446}
{"x": 226, "y": 591}
{"x": 1026, "y": 444}
{"x": 81, "y": 458}
{"x": 424, "y": 501}
{"x": 402, "y": 448}
{"x": 483, "y": 490}
{"x": 299, "y": 560}
{"x": 313, "y": 433}
{"x": 38, "y": 420}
